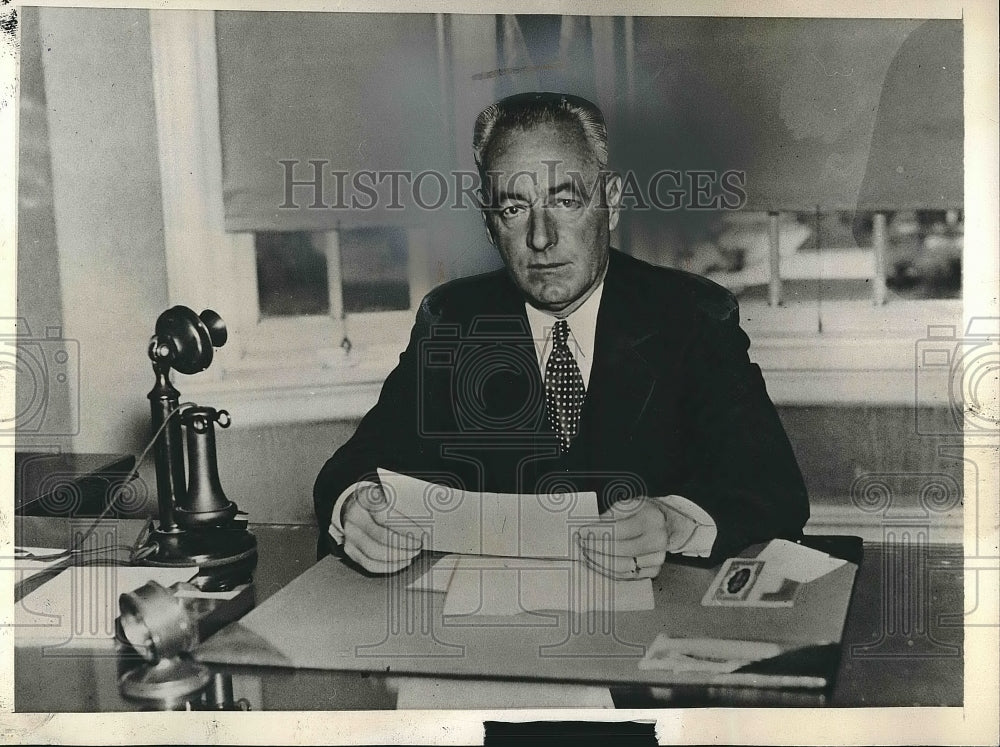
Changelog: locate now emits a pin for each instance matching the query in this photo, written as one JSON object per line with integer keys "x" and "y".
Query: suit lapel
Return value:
{"x": 627, "y": 351}
{"x": 519, "y": 388}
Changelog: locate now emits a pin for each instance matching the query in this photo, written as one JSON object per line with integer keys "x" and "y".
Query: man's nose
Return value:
{"x": 542, "y": 232}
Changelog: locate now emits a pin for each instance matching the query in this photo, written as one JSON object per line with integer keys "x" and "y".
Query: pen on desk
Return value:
{"x": 22, "y": 553}
{"x": 715, "y": 648}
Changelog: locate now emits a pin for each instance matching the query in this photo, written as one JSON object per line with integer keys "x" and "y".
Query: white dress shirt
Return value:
{"x": 582, "y": 329}
{"x": 582, "y": 324}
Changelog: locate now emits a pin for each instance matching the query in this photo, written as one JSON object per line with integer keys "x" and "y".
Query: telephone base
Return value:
{"x": 225, "y": 556}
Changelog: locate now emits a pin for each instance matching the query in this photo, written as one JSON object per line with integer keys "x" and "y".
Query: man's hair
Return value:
{"x": 526, "y": 110}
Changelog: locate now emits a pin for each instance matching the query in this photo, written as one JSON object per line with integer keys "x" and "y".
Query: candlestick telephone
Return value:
{"x": 198, "y": 525}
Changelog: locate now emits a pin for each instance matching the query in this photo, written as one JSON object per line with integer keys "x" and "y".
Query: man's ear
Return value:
{"x": 613, "y": 198}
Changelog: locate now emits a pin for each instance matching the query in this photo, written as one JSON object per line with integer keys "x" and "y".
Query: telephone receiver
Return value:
{"x": 205, "y": 503}
{"x": 198, "y": 524}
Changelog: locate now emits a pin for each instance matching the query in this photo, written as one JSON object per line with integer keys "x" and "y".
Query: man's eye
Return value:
{"x": 568, "y": 202}
{"x": 511, "y": 211}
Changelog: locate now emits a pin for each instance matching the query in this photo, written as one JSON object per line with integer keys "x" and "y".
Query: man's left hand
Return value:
{"x": 633, "y": 538}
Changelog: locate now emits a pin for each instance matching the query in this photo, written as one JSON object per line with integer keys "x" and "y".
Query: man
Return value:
{"x": 576, "y": 365}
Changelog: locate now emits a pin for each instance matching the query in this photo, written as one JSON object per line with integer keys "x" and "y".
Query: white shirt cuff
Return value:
{"x": 699, "y": 544}
{"x": 336, "y": 529}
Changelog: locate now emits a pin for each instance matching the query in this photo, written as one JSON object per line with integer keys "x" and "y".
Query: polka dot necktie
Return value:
{"x": 564, "y": 391}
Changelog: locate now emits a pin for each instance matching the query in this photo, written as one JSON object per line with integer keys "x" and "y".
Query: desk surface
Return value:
{"x": 902, "y": 644}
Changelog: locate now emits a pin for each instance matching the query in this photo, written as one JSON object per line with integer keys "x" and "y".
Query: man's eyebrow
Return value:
{"x": 504, "y": 195}
{"x": 568, "y": 185}
{"x": 563, "y": 186}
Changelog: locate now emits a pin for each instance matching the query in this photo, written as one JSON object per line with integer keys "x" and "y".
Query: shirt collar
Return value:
{"x": 582, "y": 323}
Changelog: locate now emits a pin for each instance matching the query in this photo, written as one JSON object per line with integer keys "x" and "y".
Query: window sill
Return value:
{"x": 800, "y": 370}
{"x": 261, "y": 405}
{"x": 294, "y": 387}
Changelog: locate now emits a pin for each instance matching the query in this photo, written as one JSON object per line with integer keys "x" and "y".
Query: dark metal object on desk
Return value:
{"x": 169, "y": 685}
{"x": 163, "y": 630}
{"x": 198, "y": 524}
{"x": 73, "y": 484}
{"x": 157, "y": 625}
{"x": 219, "y": 696}
{"x": 206, "y": 503}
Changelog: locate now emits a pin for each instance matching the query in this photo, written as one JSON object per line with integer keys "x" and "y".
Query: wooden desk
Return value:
{"x": 877, "y": 668}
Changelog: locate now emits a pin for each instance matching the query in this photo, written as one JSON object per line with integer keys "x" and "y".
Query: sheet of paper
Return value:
{"x": 438, "y": 577}
{"x": 508, "y": 524}
{"x": 797, "y": 562}
{"x": 77, "y": 608}
{"x": 26, "y": 567}
{"x": 427, "y": 693}
{"x": 704, "y": 654}
{"x": 496, "y": 586}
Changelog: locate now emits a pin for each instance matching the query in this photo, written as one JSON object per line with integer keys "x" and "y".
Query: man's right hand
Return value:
{"x": 368, "y": 541}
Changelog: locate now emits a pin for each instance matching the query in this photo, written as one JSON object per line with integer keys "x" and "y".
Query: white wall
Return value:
{"x": 39, "y": 303}
{"x": 108, "y": 213}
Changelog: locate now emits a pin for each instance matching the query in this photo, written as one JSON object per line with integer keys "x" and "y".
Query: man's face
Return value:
{"x": 550, "y": 213}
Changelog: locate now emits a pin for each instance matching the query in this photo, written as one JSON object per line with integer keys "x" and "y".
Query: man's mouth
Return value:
{"x": 546, "y": 266}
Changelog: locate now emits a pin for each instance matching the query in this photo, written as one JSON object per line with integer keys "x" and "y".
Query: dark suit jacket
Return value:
{"x": 673, "y": 406}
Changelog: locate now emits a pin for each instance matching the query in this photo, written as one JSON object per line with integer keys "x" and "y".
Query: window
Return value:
{"x": 374, "y": 270}
{"x": 316, "y": 318}
{"x": 292, "y": 275}
{"x": 834, "y": 257}
{"x": 332, "y": 273}
{"x": 319, "y": 314}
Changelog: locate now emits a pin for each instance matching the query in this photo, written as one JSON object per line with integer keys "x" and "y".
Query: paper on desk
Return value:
{"x": 508, "y": 524}
{"x": 26, "y": 567}
{"x": 427, "y": 693}
{"x": 509, "y": 586}
{"x": 77, "y": 608}
{"x": 438, "y": 577}
{"x": 704, "y": 654}
{"x": 797, "y": 562}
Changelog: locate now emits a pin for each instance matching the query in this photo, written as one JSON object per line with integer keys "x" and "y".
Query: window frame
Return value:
{"x": 275, "y": 369}
{"x": 285, "y": 370}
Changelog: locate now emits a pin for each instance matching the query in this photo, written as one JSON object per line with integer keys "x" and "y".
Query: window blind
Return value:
{"x": 836, "y": 114}
{"x": 352, "y": 91}
{"x": 839, "y": 114}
